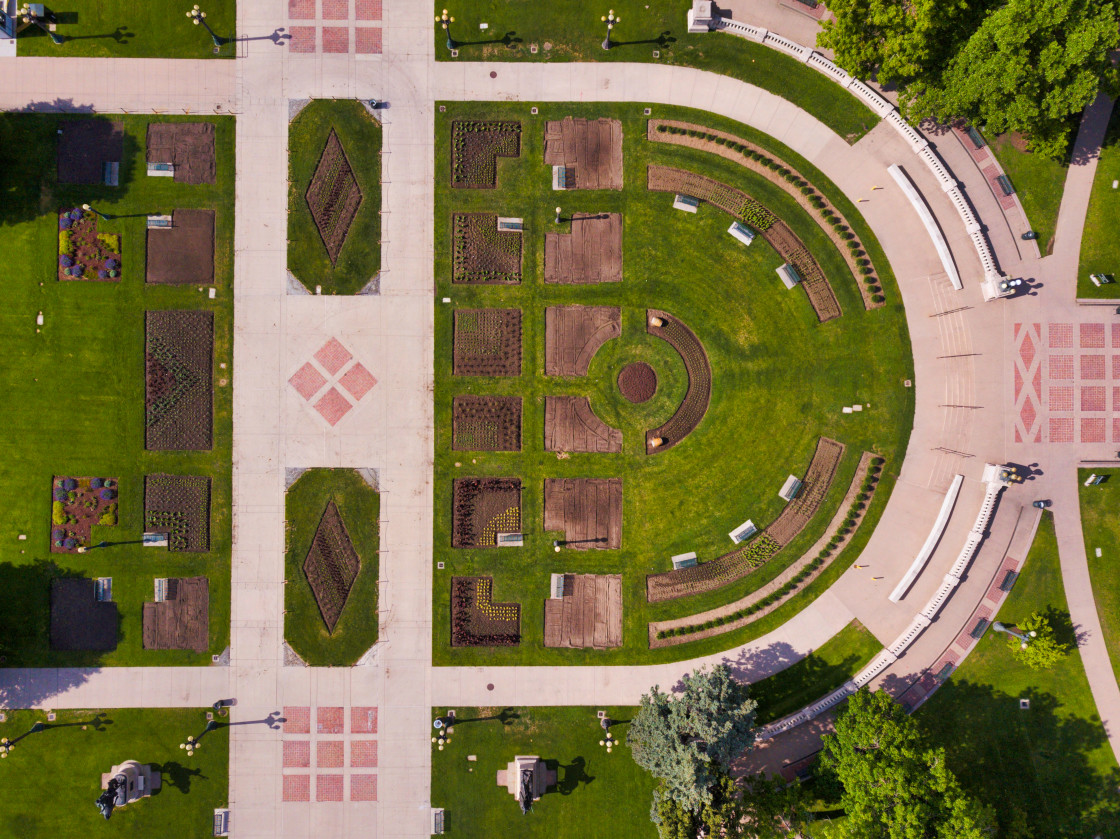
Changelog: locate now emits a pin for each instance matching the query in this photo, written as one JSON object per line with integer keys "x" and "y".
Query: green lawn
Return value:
{"x": 127, "y": 29}
{"x": 1100, "y": 248}
{"x": 75, "y": 391}
{"x": 359, "y": 506}
{"x": 56, "y": 774}
{"x": 762, "y": 424}
{"x": 1049, "y": 767}
{"x": 574, "y": 32}
{"x": 360, "y": 136}
{"x": 596, "y": 794}
{"x": 1099, "y": 505}
{"x": 1038, "y": 182}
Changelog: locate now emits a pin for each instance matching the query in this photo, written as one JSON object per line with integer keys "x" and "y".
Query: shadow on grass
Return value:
{"x": 177, "y": 776}
{"x": 571, "y": 775}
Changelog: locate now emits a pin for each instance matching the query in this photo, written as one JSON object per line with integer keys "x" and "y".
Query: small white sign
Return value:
{"x": 484, "y": 26}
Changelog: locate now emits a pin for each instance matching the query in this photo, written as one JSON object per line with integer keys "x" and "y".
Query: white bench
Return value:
{"x": 510, "y": 540}
{"x": 741, "y": 232}
{"x": 743, "y": 532}
{"x": 505, "y": 223}
{"x": 684, "y": 560}
{"x": 686, "y": 203}
{"x": 790, "y": 488}
{"x": 788, "y": 275}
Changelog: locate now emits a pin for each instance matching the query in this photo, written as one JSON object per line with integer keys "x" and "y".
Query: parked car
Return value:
{"x": 1042, "y": 504}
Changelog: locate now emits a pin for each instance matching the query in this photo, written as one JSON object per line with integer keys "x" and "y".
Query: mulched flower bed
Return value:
{"x": 85, "y": 146}
{"x": 481, "y": 254}
{"x": 573, "y": 334}
{"x": 486, "y": 423}
{"x": 331, "y": 566}
{"x": 182, "y": 620}
{"x": 476, "y": 621}
{"x": 182, "y": 254}
{"x": 179, "y": 392}
{"x": 189, "y": 146}
{"x": 695, "y": 403}
{"x": 482, "y": 508}
{"x": 570, "y": 425}
{"x": 587, "y": 510}
{"x": 77, "y": 504}
{"x": 83, "y": 253}
{"x": 637, "y": 382}
{"x": 487, "y": 342}
{"x": 333, "y": 196}
{"x": 180, "y": 507}
{"x": 475, "y": 149}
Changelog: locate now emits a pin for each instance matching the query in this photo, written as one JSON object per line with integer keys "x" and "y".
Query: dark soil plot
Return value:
{"x": 482, "y": 508}
{"x": 475, "y": 149}
{"x": 814, "y": 487}
{"x": 188, "y": 146}
{"x": 476, "y": 621}
{"x": 637, "y": 382}
{"x": 486, "y": 423}
{"x": 571, "y": 426}
{"x": 590, "y": 150}
{"x": 79, "y": 621}
{"x": 482, "y": 254}
{"x": 77, "y": 504}
{"x": 573, "y": 334}
{"x": 180, "y": 507}
{"x": 589, "y": 615}
{"x": 85, "y": 146}
{"x": 699, "y": 393}
{"x": 587, "y": 510}
{"x": 333, "y": 196}
{"x": 179, "y": 394}
{"x": 591, "y": 253}
{"x": 487, "y": 342}
{"x": 331, "y": 565}
{"x": 182, "y": 620}
{"x": 83, "y": 253}
{"x": 182, "y": 254}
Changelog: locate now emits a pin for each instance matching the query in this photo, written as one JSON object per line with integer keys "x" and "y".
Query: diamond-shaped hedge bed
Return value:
{"x": 331, "y": 566}
{"x": 333, "y": 196}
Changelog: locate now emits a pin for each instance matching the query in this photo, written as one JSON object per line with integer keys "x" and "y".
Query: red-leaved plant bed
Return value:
{"x": 83, "y": 253}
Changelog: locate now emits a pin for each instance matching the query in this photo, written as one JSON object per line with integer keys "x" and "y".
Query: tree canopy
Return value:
{"x": 1043, "y": 651}
{"x": 895, "y": 785}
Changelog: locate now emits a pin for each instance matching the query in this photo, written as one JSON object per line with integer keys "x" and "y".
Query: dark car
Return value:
{"x": 1042, "y": 504}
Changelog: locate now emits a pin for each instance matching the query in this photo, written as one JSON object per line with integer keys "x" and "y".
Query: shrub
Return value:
{"x": 76, "y": 271}
{"x": 58, "y": 514}
{"x": 853, "y": 246}
{"x": 107, "y": 494}
{"x": 70, "y": 544}
{"x": 874, "y": 289}
{"x": 661, "y": 130}
{"x": 65, "y": 223}
{"x": 109, "y": 516}
{"x": 878, "y": 298}
{"x": 68, "y": 484}
{"x": 96, "y": 483}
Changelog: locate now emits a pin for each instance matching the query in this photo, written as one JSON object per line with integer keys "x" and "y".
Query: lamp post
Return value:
{"x": 445, "y": 20}
{"x": 1024, "y": 637}
{"x": 98, "y": 213}
{"x": 198, "y": 16}
{"x": 27, "y": 16}
{"x": 610, "y": 20}
{"x": 557, "y": 219}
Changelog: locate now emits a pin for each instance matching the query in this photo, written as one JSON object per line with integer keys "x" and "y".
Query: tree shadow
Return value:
{"x": 177, "y": 776}
{"x": 572, "y": 775}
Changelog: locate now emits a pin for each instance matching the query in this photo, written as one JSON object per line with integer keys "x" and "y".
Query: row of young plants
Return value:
{"x": 834, "y": 546}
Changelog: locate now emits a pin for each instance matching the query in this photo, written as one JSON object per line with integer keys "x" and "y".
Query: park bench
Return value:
{"x": 221, "y": 822}
{"x": 161, "y": 170}
{"x": 980, "y": 628}
{"x": 1101, "y": 279}
{"x": 103, "y": 589}
{"x": 111, "y": 174}
{"x": 790, "y": 488}
{"x": 1009, "y": 581}
{"x": 510, "y": 224}
{"x": 159, "y": 221}
{"x": 975, "y": 137}
{"x": 684, "y": 560}
{"x": 743, "y": 532}
{"x": 686, "y": 203}
{"x": 1005, "y": 186}
{"x": 741, "y": 232}
{"x": 788, "y": 275}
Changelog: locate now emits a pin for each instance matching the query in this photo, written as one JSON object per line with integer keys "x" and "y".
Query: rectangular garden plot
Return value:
{"x": 188, "y": 147}
{"x": 181, "y": 621}
{"x": 573, "y": 334}
{"x": 83, "y": 253}
{"x": 179, "y": 507}
{"x": 476, "y": 621}
{"x": 487, "y": 342}
{"x": 331, "y": 566}
{"x": 182, "y": 254}
{"x": 89, "y": 151}
{"x": 77, "y": 504}
{"x": 482, "y": 254}
{"x": 590, "y": 150}
{"x": 486, "y": 423}
{"x": 179, "y": 394}
{"x": 79, "y": 621}
{"x": 571, "y": 426}
{"x": 588, "y": 614}
{"x": 475, "y": 149}
{"x": 588, "y": 510}
{"x": 591, "y": 253}
{"x": 482, "y": 508}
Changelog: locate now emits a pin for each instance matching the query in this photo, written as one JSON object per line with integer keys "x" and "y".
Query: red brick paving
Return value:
{"x": 330, "y": 720}
{"x": 297, "y": 753}
{"x": 1061, "y": 335}
{"x": 329, "y": 754}
{"x": 1116, "y": 430}
{"x": 1028, "y": 414}
{"x": 1092, "y": 335}
{"x": 336, "y": 9}
{"x": 367, "y": 9}
{"x": 1092, "y": 430}
{"x": 336, "y": 39}
{"x": 1092, "y": 367}
{"x": 1116, "y": 336}
{"x": 332, "y": 355}
{"x": 1061, "y": 367}
{"x": 1061, "y": 429}
{"x": 1026, "y": 351}
{"x": 363, "y": 720}
{"x": 328, "y": 787}
{"x": 357, "y": 381}
{"x": 333, "y": 406}
{"x": 363, "y": 787}
{"x": 1116, "y": 400}
{"x": 297, "y": 788}
{"x": 1060, "y": 397}
{"x": 297, "y": 720}
{"x": 363, "y": 753}
{"x": 1116, "y": 367}
{"x": 1093, "y": 399}
{"x": 302, "y": 40}
{"x": 367, "y": 40}
{"x": 307, "y": 381}
{"x": 301, "y": 9}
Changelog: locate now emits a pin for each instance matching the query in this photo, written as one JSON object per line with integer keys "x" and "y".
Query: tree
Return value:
{"x": 755, "y": 808}
{"x": 895, "y": 786}
{"x": 688, "y": 741}
{"x": 1043, "y": 650}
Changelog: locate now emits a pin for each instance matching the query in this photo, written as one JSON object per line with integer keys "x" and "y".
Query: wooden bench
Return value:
{"x": 684, "y": 560}
{"x": 1004, "y": 184}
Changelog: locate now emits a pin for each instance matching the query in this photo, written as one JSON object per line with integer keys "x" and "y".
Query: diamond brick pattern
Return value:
{"x": 336, "y": 9}
{"x": 1092, "y": 367}
{"x": 1092, "y": 430}
{"x": 297, "y": 788}
{"x": 1092, "y": 335}
{"x": 367, "y": 40}
{"x": 363, "y": 753}
{"x": 297, "y": 753}
{"x": 367, "y": 9}
{"x": 333, "y": 406}
{"x": 329, "y": 720}
{"x": 1061, "y": 367}
{"x": 357, "y": 381}
{"x": 1061, "y": 429}
{"x": 363, "y": 787}
{"x": 1018, "y": 383}
{"x": 336, "y": 39}
{"x": 297, "y": 720}
{"x": 307, "y": 381}
{"x": 1026, "y": 351}
{"x": 333, "y": 356}
{"x": 1093, "y": 399}
{"x": 301, "y": 9}
{"x": 363, "y": 720}
{"x": 1028, "y": 414}
{"x": 302, "y": 40}
{"x": 329, "y": 754}
{"x": 1060, "y": 398}
{"x": 328, "y": 787}
{"x": 1061, "y": 335}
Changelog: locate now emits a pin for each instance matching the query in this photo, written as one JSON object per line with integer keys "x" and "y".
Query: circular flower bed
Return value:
{"x": 637, "y": 382}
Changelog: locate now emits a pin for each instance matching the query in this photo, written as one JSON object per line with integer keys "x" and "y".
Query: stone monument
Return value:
{"x": 125, "y": 783}
{"x": 526, "y": 778}
{"x": 701, "y": 17}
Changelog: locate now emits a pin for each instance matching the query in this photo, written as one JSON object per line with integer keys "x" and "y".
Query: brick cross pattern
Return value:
{"x": 335, "y": 26}
{"x": 332, "y": 382}
{"x": 323, "y": 758}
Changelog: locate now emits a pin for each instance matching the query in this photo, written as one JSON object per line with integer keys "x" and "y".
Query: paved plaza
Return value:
{"x": 324, "y": 381}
